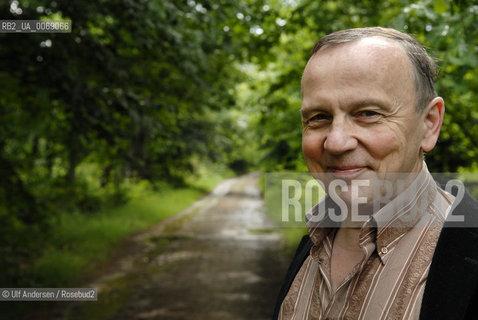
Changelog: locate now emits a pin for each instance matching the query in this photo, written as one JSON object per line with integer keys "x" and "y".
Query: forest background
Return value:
{"x": 147, "y": 104}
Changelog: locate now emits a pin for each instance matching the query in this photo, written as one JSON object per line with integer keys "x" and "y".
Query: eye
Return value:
{"x": 319, "y": 119}
{"x": 368, "y": 115}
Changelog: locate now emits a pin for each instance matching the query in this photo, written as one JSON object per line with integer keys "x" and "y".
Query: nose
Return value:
{"x": 340, "y": 138}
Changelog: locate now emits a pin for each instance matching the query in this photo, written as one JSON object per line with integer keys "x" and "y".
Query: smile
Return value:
{"x": 346, "y": 172}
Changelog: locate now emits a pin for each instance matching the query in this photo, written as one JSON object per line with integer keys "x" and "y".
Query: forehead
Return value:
{"x": 372, "y": 64}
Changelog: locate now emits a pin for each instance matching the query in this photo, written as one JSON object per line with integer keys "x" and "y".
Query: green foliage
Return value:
{"x": 447, "y": 28}
{"x": 140, "y": 90}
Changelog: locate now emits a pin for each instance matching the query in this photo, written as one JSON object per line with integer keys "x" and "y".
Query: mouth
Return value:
{"x": 346, "y": 171}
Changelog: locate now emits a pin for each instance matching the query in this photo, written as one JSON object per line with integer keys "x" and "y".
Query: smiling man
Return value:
{"x": 369, "y": 112}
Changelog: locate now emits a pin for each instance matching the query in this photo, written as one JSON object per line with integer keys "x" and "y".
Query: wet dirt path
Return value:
{"x": 219, "y": 259}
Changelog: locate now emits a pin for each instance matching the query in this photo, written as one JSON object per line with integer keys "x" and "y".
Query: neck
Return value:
{"x": 348, "y": 239}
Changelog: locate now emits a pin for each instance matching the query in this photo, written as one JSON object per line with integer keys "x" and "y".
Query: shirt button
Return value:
{"x": 384, "y": 250}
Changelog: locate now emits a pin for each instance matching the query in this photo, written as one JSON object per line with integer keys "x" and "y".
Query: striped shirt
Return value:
{"x": 398, "y": 243}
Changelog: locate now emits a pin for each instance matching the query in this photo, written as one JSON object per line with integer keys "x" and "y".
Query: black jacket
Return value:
{"x": 451, "y": 291}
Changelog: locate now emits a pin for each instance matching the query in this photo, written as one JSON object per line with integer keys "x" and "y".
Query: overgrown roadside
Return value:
{"x": 83, "y": 246}
{"x": 220, "y": 259}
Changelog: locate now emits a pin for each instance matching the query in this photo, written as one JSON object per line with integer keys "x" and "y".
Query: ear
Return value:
{"x": 433, "y": 119}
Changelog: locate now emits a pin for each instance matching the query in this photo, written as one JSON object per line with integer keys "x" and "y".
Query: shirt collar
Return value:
{"x": 401, "y": 214}
{"x": 389, "y": 223}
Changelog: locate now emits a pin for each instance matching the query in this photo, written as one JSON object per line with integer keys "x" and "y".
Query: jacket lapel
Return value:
{"x": 299, "y": 258}
{"x": 453, "y": 276}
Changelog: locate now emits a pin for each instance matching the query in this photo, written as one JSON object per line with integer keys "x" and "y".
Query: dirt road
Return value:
{"x": 219, "y": 259}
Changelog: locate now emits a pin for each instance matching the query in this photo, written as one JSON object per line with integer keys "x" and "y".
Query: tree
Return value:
{"x": 448, "y": 28}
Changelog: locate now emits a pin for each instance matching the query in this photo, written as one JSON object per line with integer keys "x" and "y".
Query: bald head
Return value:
{"x": 423, "y": 66}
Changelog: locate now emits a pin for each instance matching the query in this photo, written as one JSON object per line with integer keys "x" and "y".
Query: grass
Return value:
{"x": 80, "y": 241}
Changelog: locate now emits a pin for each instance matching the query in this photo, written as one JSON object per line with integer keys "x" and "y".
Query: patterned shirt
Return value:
{"x": 397, "y": 242}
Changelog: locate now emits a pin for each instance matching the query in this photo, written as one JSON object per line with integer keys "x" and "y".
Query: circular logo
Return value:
{"x": 5, "y": 294}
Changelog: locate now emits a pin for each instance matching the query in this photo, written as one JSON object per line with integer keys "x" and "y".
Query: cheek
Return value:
{"x": 388, "y": 143}
{"x": 312, "y": 146}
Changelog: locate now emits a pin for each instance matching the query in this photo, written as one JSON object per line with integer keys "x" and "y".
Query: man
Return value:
{"x": 369, "y": 112}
